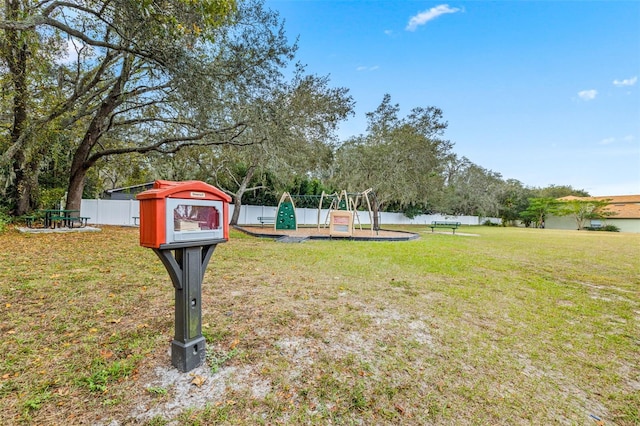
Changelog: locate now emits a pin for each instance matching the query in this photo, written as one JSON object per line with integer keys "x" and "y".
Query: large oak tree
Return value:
{"x": 294, "y": 138}
{"x": 401, "y": 158}
{"x": 148, "y": 76}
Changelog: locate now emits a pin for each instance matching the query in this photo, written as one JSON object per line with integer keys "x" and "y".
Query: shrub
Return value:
{"x": 608, "y": 228}
{"x": 412, "y": 211}
{"x": 5, "y": 220}
{"x": 488, "y": 222}
{"x": 50, "y": 198}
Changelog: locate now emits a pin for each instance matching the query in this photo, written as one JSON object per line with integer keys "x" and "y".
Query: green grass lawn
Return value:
{"x": 506, "y": 326}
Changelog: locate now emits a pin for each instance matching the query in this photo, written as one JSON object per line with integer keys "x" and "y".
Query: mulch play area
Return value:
{"x": 322, "y": 233}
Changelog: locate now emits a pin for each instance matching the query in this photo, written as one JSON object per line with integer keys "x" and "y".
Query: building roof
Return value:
{"x": 135, "y": 188}
{"x": 620, "y": 206}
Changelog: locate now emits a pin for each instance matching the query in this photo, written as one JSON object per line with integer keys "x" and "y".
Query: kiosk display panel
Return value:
{"x": 193, "y": 220}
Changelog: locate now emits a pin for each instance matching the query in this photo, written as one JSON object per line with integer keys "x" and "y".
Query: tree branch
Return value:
{"x": 45, "y": 20}
{"x": 183, "y": 141}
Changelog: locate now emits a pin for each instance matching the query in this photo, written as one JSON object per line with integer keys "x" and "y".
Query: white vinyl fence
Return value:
{"x": 110, "y": 212}
{"x": 123, "y": 212}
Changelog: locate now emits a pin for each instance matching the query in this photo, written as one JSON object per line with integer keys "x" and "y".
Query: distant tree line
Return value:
{"x": 105, "y": 94}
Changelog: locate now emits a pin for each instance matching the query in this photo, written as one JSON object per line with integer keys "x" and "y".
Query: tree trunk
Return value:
{"x": 15, "y": 52}
{"x": 75, "y": 189}
{"x": 376, "y": 213}
{"x": 237, "y": 197}
{"x": 27, "y": 188}
{"x": 237, "y": 204}
{"x": 79, "y": 167}
{"x": 82, "y": 159}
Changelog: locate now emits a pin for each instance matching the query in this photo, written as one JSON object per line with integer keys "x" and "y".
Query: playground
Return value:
{"x": 341, "y": 220}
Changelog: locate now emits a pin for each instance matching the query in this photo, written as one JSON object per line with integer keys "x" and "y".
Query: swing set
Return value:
{"x": 341, "y": 215}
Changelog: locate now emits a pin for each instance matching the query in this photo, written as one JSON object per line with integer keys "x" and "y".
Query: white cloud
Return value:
{"x": 587, "y": 95}
{"x": 363, "y": 68}
{"x": 72, "y": 50}
{"x": 607, "y": 141}
{"x": 626, "y": 82}
{"x": 428, "y": 15}
{"x": 70, "y": 54}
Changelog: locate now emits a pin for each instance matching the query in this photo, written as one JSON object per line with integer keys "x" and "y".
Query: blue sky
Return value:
{"x": 545, "y": 92}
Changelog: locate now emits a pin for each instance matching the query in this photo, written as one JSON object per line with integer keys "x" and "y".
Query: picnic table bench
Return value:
{"x": 445, "y": 224}
{"x": 30, "y": 221}
{"x": 55, "y": 217}
{"x": 266, "y": 219}
{"x": 69, "y": 221}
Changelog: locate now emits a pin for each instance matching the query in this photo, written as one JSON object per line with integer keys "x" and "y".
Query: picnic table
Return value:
{"x": 62, "y": 217}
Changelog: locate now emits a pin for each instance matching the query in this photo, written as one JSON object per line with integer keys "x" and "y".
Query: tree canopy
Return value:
{"x": 117, "y": 92}
{"x": 401, "y": 158}
{"x": 582, "y": 210}
{"x": 146, "y": 77}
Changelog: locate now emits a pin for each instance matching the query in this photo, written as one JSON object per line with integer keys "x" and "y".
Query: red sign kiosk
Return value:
{"x": 183, "y": 222}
